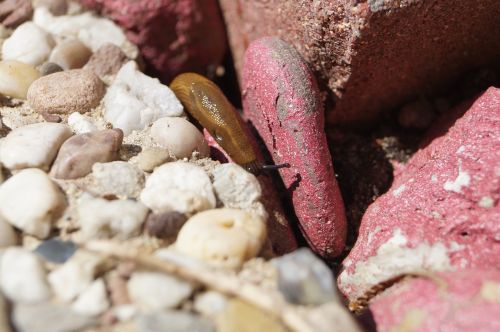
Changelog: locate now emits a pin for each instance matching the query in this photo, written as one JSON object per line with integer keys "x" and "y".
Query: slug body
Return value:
{"x": 206, "y": 103}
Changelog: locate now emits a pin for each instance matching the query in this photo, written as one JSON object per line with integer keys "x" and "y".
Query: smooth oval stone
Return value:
{"x": 70, "y": 54}
{"x": 56, "y": 250}
{"x": 50, "y": 68}
{"x": 16, "y": 78}
{"x": 29, "y": 44}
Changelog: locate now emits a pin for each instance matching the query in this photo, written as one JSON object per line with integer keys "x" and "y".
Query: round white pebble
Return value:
{"x": 29, "y": 44}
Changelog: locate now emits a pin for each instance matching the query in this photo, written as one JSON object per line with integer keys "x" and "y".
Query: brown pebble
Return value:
{"x": 51, "y": 117}
{"x": 56, "y": 7}
{"x": 70, "y": 54}
{"x": 107, "y": 60}
{"x": 79, "y": 153}
{"x": 50, "y": 68}
{"x": 15, "y": 12}
{"x": 165, "y": 225}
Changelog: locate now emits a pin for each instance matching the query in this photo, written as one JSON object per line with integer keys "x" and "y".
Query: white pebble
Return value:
{"x": 222, "y": 237}
{"x": 100, "y": 218}
{"x": 23, "y": 277}
{"x": 180, "y": 137}
{"x": 76, "y": 275}
{"x": 7, "y": 235}
{"x": 210, "y": 303}
{"x": 152, "y": 291}
{"x": 31, "y": 201}
{"x": 81, "y": 124}
{"x": 178, "y": 186}
{"x": 135, "y": 100}
{"x": 33, "y": 146}
{"x": 16, "y": 78}
{"x": 29, "y": 44}
{"x": 118, "y": 178}
{"x": 93, "y": 301}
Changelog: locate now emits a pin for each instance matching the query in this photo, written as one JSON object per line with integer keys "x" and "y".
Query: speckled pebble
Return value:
{"x": 152, "y": 157}
{"x": 35, "y": 145}
{"x": 70, "y": 54}
{"x": 23, "y": 276}
{"x": 65, "y": 92}
{"x": 34, "y": 189}
{"x": 222, "y": 237}
{"x": 178, "y": 186}
{"x": 107, "y": 60}
{"x": 16, "y": 78}
{"x": 28, "y": 44}
{"x": 180, "y": 137}
{"x": 100, "y": 218}
{"x": 79, "y": 153}
{"x": 165, "y": 225}
{"x": 118, "y": 178}
{"x": 152, "y": 291}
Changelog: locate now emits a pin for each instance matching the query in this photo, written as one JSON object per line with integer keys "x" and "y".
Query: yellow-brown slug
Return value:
{"x": 206, "y": 103}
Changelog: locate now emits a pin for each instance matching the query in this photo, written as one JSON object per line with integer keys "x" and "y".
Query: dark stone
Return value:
{"x": 56, "y": 250}
{"x": 165, "y": 225}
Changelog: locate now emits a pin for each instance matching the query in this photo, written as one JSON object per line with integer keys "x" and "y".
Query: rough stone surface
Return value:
{"x": 66, "y": 92}
{"x": 180, "y": 137}
{"x": 178, "y": 186}
{"x": 79, "y": 153}
{"x": 153, "y": 291}
{"x": 222, "y": 237}
{"x": 466, "y": 300}
{"x": 281, "y": 98}
{"x": 442, "y": 210}
{"x": 118, "y": 178}
{"x": 16, "y": 78}
{"x": 31, "y": 201}
{"x": 135, "y": 100}
{"x": 22, "y": 277}
{"x": 107, "y": 60}
{"x": 373, "y": 55}
{"x": 33, "y": 146}
{"x": 171, "y": 35}
{"x": 28, "y": 44}
{"x": 173, "y": 321}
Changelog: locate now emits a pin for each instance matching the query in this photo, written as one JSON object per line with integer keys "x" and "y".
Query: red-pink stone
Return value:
{"x": 466, "y": 300}
{"x": 442, "y": 211}
{"x": 282, "y": 100}
{"x": 174, "y": 36}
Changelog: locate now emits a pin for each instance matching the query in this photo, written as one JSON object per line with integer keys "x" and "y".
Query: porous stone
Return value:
{"x": 16, "y": 78}
{"x": 222, "y": 237}
{"x": 49, "y": 68}
{"x": 49, "y": 317}
{"x": 178, "y": 186}
{"x": 165, "y": 225}
{"x": 55, "y": 7}
{"x": 304, "y": 279}
{"x": 79, "y": 153}
{"x": 81, "y": 124}
{"x": 152, "y": 291}
{"x": 135, "y": 100}
{"x": 33, "y": 146}
{"x": 55, "y": 250}
{"x": 107, "y": 60}
{"x": 7, "y": 235}
{"x": 66, "y": 92}
{"x": 100, "y": 218}
{"x": 189, "y": 48}
{"x": 373, "y": 55}
{"x": 92, "y": 301}
{"x": 442, "y": 208}
{"x": 173, "y": 321}
{"x": 118, "y": 178}
{"x": 31, "y": 201}
{"x": 75, "y": 276}
{"x": 210, "y": 303}
{"x": 152, "y": 157}
{"x": 282, "y": 100}
{"x": 70, "y": 54}
{"x": 28, "y": 44}
{"x": 180, "y": 137}
{"x": 453, "y": 301}
{"x": 23, "y": 277}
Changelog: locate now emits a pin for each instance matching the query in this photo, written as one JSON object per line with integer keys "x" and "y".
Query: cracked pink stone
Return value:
{"x": 442, "y": 211}
{"x": 465, "y": 300}
{"x": 282, "y": 100}
{"x": 174, "y": 36}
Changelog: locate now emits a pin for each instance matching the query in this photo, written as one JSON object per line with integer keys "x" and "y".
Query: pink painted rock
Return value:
{"x": 281, "y": 98}
{"x": 466, "y": 300}
{"x": 174, "y": 36}
{"x": 442, "y": 210}
{"x": 279, "y": 229}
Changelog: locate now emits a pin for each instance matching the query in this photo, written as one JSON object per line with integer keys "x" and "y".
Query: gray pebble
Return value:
{"x": 50, "y": 68}
{"x": 56, "y": 250}
{"x": 173, "y": 321}
{"x": 304, "y": 279}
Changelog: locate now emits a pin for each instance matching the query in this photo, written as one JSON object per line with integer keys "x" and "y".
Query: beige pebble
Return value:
{"x": 65, "y": 92}
{"x": 152, "y": 157}
{"x": 79, "y": 153}
{"x": 70, "y": 54}
{"x": 180, "y": 137}
{"x": 222, "y": 237}
{"x": 16, "y": 78}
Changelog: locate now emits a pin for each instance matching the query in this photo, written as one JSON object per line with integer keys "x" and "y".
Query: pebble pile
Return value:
{"x": 92, "y": 149}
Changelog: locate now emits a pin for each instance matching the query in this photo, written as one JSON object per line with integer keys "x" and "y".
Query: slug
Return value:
{"x": 206, "y": 103}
